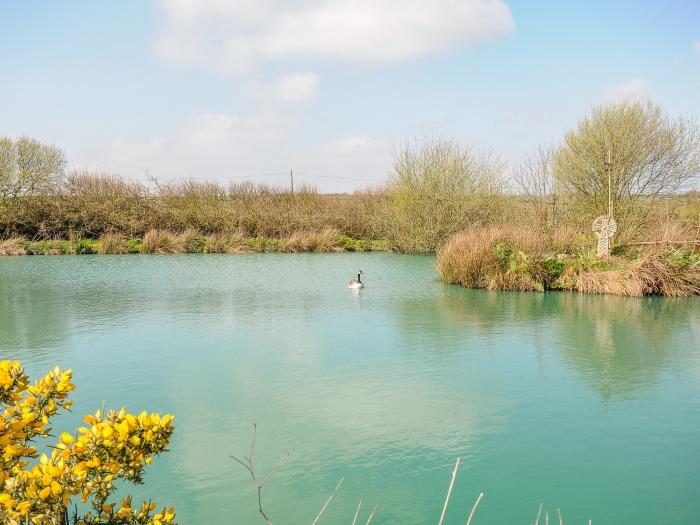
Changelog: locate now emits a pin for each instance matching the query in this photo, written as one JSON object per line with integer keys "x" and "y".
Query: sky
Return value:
{"x": 235, "y": 90}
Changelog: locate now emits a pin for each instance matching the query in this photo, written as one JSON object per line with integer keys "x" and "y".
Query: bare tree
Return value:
{"x": 651, "y": 155}
{"x": 27, "y": 167}
{"x": 534, "y": 176}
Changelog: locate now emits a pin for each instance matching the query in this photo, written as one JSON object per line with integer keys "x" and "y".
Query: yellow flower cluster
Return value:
{"x": 112, "y": 447}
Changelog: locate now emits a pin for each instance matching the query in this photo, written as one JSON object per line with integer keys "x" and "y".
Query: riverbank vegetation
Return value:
{"x": 516, "y": 259}
{"x": 114, "y": 446}
{"x": 439, "y": 196}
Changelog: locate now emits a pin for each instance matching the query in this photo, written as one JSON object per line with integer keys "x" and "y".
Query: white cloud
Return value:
{"x": 212, "y": 146}
{"x": 234, "y": 35}
{"x": 231, "y": 148}
{"x": 287, "y": 89}
{"x": 632, "y": 90}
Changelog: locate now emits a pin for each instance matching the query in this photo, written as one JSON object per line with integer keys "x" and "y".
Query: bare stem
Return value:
{"x": 476, "y": 504}
{"x": 449, "y": 492}
{"x": 248, "y": 465}
{"x": 372, "y": 514}
{"x": 539, "y": 513}
{"x": 327, "y": 501}
{"x": 357, "y": 512}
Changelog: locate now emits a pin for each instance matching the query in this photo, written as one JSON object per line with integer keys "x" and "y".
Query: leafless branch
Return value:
{"x": 449, "y": 492}
{"x": 327, "y": 501}
{"x": 476, "y": 504}
{"x": 357, "y": 512}
{"x": 372, "y": 514}
{"x": 249, "y": 466}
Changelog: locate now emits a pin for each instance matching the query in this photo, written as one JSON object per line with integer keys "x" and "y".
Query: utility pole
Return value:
{"x": 291, "y": 178}
{"x": 608, "y": 164}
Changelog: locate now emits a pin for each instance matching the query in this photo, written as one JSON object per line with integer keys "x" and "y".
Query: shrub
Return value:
{"x": 438, "y": 188}
{"x": 114, "y": 447}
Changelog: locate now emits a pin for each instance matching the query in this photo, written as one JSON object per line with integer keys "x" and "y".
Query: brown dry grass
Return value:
{"x": 12, "y": 246}
{"x": 161, "y": 242}
{"x": 112, "y": 243}
{"x": 325, "y": 240}
{"x": 651, "y": 275}
{"x": 234, "y": 242}
{"x": 470, "y": 258}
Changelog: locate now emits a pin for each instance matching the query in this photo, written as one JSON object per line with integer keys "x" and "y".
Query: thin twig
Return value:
{"x": 449, "y": 492}
{"x": 539, "y": 513}
{"x": 561, "y": 520}
{"x": 281, "y": 462}
{"x": 328, "y": 501}
{"x": 546, "y": 517}
{"x": 248, "y": 465}
{"x": 372, "y": 514}
{"x": 359, "y": 504}
{"x": 476, "y": 504}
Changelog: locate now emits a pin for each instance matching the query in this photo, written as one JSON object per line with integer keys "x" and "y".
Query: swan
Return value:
{"x": 356, "y": 284}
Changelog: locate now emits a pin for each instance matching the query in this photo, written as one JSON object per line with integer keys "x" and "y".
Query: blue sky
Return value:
{"x": 234, "y": 90}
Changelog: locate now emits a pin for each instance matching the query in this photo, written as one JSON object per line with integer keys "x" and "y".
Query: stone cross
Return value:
{"x": 604, "y": 228}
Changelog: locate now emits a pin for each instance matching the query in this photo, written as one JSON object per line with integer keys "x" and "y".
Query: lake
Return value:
{"x": 586, "y": 403}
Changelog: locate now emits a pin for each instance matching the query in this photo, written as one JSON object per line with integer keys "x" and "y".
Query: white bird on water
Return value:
{"x": 356, "y": 284}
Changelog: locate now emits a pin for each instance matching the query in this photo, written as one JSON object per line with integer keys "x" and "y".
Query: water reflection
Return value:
{"x": 384, "y": 387}
{"x": 621, "y": 345}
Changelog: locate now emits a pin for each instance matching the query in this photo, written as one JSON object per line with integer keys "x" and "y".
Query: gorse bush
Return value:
{"x": 113, "y": 447}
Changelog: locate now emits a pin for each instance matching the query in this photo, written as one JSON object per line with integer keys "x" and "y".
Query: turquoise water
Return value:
{"x": 590, "y": 404}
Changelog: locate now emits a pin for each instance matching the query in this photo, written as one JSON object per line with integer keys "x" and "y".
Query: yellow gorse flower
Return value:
{"x": 112, "y": 447}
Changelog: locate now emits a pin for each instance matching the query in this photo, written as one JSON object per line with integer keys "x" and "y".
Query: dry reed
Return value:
{"x": 162, "y": 242}
{"x": 326, "y": 240}
{"x": 471, "y": 258}
{"x": 12, "y": 246}
{"x": 112, "y": 243}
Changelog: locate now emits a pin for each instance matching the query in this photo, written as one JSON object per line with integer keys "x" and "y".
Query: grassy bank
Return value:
{"x": 517, "y": 259}
{"x": 192, "y": 241}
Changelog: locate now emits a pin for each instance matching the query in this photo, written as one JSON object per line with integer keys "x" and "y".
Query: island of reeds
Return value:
{"x": 525, "y": 227}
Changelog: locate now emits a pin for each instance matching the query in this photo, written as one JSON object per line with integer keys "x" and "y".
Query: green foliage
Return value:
{"x": 134, "y": 245}
{"x": 28, "y": 167}
{"x": 437, "y": 188}
{"x": 652, "y": 155}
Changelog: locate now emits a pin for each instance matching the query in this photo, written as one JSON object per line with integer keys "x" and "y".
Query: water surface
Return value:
{"x": 590, "y": 404}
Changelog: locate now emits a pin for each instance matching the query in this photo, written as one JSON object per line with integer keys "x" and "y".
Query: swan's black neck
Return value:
{"x": 358, "y": 278}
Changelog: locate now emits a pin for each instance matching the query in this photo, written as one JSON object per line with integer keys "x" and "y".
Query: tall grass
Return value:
{"x": 495, "y": 258}
{"x": 12, "y": 246}
{"x": 112, "y": 243}
{"x": 162, "y": 242}
{"x": 326, "y": 240}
